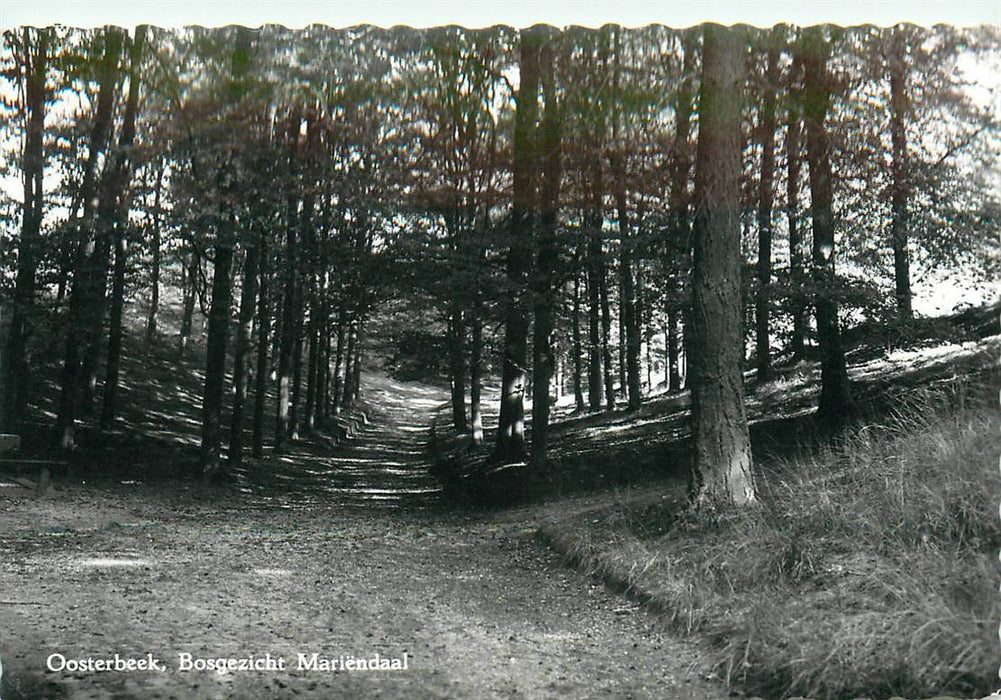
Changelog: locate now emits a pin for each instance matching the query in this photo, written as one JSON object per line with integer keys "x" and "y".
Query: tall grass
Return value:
{"x": 870, "y": 567}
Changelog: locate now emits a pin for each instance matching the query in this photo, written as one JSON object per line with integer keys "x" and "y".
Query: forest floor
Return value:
{"x": 335, "y": 551}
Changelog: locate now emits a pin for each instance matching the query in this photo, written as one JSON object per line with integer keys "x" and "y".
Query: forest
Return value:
{"x": 558, "y": 263}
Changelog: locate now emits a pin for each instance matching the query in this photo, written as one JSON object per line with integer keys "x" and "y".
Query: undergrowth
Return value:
{"x": 868, "y": 568}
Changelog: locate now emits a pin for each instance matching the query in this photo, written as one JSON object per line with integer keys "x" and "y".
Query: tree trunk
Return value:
{"x": 155, "y": 244}
{"x": 595, "y": 273}
{"x": 673, "y": 373}
{"x": 511, "y": 426}
{"x": 323, "y": 371}
{"x": 215, "y": 356}
{"x": 349, "y": 359}
{"x": 338, "y": 389}
{"x": 457, "y": 366}
{"x": 900, "y": 187}
{"x": 305, "y": 262}
{"x": 578, "y": 350}
{"x": 680, "y": 247}
{"x": 16, "y": 380}
{"x": 836, "y": 404}
{"x": 121, "y": 193}
{"x": 766, "y": 198}
{"x": 551, "y": 161}
{"x": 83, "y": 307}
{"x": 356, "y": 365}
{"x": 290, "y": 312}
{"x": 797, "y": 255}
{"x": 263, "y": 323}
{"x": 312, "y": 371}
{"x": 310, "y": 275}
{"x": 296, "y": 408}
{"x": 189, "y": 282}
{"x": 721, "y": 470}
{"x": 476, "y": 374}
{"x": 115, "y": 331}
{"x": 630, "y": 340}
{"x": 621, "y": 318}
{"x": 606, "y": 342}
{"x": 242, "y": 352}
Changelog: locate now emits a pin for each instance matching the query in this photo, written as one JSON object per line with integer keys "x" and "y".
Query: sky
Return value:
{"x": 676, "y": 13}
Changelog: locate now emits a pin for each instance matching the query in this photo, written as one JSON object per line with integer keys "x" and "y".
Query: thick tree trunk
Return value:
{"x": 721, "y": 470}
{"x": 15, "y": 382}
{"x": 900, "y": 187}
{"x": 215, "y": 356}
{"x": 543, "y": 355}
{"x": 766, "y": 197}
{"x": 836, "y": 405}
{"x": 797, "y": 255}
{"x": 511, "y": 426}
{"x": 84, "y": 309}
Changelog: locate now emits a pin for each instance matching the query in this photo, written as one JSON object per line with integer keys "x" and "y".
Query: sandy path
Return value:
{"x": 354, "y": 556}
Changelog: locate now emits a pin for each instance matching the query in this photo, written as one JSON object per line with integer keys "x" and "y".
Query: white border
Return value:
{"x": 519, "y": 13}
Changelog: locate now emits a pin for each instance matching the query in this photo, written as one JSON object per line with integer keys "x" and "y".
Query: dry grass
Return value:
{"x": 868, "y": 569}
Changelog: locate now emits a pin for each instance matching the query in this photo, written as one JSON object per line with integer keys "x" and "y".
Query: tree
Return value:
{"x": 89, "y": 268}
{"x": 511, "y": 425}
{"x": 766, "y": 197}
{"x": 119, "y": 194}
{"x": 899, "y": 197}
{"x": 630, "y": 340}
{"x": 721, "y": 470}
{"x": 32, "y": 49}
{"x": 290, "y": 311}
{"x": 794, "y": 216}
{"x": 679, "y": 243}
{"x": 224, "y": 220}
{"x": 836, "y": 404}
{"x": 547, "y": 258}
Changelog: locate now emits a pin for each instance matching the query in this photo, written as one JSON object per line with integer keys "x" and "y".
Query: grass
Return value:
{"x": 869, "y": 567}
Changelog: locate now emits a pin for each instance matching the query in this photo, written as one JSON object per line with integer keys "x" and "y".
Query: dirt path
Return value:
{"x": 352, "y": 555}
